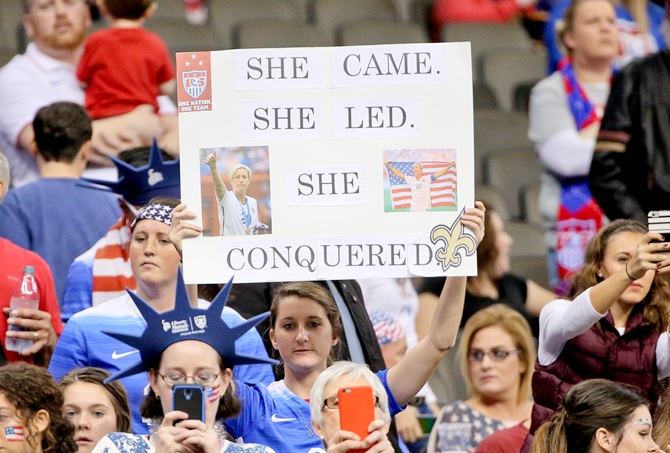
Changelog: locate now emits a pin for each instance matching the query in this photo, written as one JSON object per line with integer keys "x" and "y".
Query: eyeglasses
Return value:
{"x": 173, "y": 378}
{"x": 497, "y": 355}
{"x": 334, "y": 402}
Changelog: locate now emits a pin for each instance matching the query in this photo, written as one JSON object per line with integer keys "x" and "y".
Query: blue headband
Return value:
{"x": 186, "y": 323}
{"x": 139, "y": 185}
{"x": 155, "y": 211}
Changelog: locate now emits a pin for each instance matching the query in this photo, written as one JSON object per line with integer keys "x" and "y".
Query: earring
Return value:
{"x": 158, "y": 397}
{"x": 600, "y": 275}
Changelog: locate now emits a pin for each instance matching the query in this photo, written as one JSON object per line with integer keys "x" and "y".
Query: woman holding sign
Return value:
{"x": 238, "y": 212}
{"x": 305, "y": 328}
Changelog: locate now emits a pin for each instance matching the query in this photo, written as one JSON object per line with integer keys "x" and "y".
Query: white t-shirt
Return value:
{"x": 562, "y": 320}
{"x": 28, "y": 83}
{"x": 420, "y": 192}
{"x": 233, "y": 215}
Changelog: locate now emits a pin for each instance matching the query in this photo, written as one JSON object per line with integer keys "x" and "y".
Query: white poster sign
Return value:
{"x": 327, "y": 163}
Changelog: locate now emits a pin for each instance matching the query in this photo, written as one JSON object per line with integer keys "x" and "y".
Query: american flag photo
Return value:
{"x": 442, "y": 189}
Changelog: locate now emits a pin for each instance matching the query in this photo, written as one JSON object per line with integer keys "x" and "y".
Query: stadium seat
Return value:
{"x": 330, "y": 15}
{"x": 496, "y": 130}
{"x": 486, "y": 36}
{"x": 510, "y": 170}
{"x": 272, "y": 33}
{"x": 504, "y": 69}
{"x": 227, "y": 15}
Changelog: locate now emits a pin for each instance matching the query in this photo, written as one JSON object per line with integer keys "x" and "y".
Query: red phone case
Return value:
{"x": 357, "y": 410}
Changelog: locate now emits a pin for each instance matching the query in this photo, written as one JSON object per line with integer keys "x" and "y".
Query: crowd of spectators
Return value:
{"x": 77, "y": 149}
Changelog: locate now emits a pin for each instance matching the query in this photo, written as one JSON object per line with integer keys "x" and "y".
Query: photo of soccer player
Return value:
{"x": 235, "y": 187}
{"x": 420, "y": 180}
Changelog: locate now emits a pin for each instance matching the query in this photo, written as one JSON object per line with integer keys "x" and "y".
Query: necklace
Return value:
{"x": 221, "y": 434}
{"x": 310, "y": 431}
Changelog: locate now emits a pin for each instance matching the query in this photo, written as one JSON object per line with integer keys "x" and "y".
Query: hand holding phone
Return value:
{"x": 659, "y": 222}
{"x": 357, "y": 410}
{"x": 189, "y": 399}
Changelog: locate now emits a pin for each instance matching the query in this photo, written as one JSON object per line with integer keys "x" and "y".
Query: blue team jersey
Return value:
{"x": 276, "y": 417}
{"x": 83, "y": 344}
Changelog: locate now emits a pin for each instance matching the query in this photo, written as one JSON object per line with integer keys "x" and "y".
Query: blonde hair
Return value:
{"x": 517, "y": 327}
{"x": 232, "y": 171}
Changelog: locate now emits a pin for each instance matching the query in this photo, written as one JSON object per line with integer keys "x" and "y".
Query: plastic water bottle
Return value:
{"x": 26, "y": 295}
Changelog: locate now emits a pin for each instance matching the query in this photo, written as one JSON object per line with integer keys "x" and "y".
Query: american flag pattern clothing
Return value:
{"x": 442, "y": 189}
{"x": 14, "y": 433}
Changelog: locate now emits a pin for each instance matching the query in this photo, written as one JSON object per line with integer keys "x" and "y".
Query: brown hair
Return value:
{"x": 229, "y": 404}
{"x": 114, "y": 390}
{"x": 587, "y": 407}
{"x": 656, "y": 303}
{"x": 512, "y": 322}
{"x": 127, "y": 9}
{"x": 487, "y": 251}
{"x": 661, "y": 433}
{"x": 61, "y": 130}
{"x": 31, "y": 389}
{"x": 318, "y": 294}
{"x": 568, "y": 23}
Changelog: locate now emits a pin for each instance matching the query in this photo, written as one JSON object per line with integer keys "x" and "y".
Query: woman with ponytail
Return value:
{"x": 598, "y": 416}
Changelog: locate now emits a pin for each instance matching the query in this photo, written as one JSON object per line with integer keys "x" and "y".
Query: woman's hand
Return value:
{"x": 165, "y": 438}
{"x": 180, "y": 228}
{"x": 408, "y": 425}
{"x": 210, "y": 160}
{"x": 649, "y": 256}
{"x": 343, "y": 441}
{"x": 473, "y": 218}
{"x": 180, "y": 435}
{"x": 39, "y": 327}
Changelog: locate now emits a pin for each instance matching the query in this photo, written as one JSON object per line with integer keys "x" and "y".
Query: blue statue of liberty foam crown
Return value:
{"x": 183, "y": 323}
{"x": 138, "y": 185}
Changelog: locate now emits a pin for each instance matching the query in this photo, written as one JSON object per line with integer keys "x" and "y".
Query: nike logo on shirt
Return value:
{"x": 276, "y": 419}
{"x": 115, "y": 355}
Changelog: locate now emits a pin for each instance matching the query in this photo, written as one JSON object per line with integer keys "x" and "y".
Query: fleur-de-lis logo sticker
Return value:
{"x": 455, "y": 242}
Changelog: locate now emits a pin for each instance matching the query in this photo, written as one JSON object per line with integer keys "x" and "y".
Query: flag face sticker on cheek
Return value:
{"x": 14, "y": 434}
{"x": 212, "y": 393}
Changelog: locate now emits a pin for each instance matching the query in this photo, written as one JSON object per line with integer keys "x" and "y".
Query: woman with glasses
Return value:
{"x": 615, "y": 326}
{"x": 185, "y": 346}
{"x": 155, "y": 263}
{"x": 306, "y": 331}
{"x": 324, "y": 407}
{"x": 497, "y": 354}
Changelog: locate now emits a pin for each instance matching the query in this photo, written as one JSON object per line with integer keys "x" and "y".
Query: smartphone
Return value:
{"x": 659, "y": 222}
{"x": 189, "y": 399}
{"x": 357, "y": 410}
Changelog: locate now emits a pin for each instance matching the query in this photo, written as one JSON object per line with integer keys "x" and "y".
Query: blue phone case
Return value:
{"x": 189, "y": 399}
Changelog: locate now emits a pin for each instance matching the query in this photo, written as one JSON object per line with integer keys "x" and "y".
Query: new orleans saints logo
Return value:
{"x": 456, "y": 242}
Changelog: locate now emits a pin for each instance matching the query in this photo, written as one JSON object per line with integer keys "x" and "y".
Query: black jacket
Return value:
{"x": 630, "y": 170}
